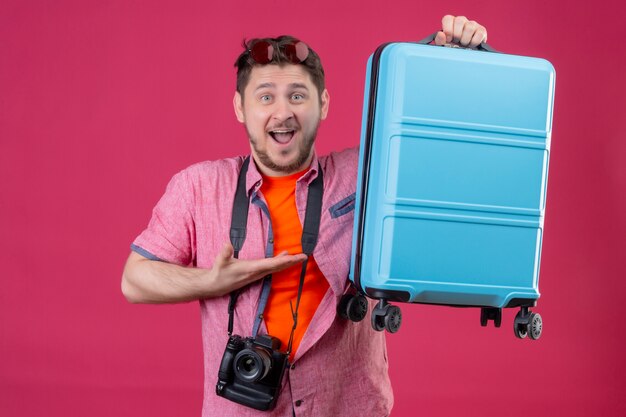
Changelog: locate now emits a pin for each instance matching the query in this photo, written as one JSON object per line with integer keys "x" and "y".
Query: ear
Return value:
{"x": 238, "y": 105}
{"x": 325, "y": 98}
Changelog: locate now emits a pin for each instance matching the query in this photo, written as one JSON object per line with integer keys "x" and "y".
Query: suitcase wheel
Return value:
{"x": 386, "y": 317}
{"x": 378, "y": 322}
{"x": 520, "y": 331}
{"x": 490, "y": 313}
{"x": 353, "y": 307}
{"x": 527, "y": 323}
{"x": 393, "y": 319}
{"x": 535, "y": 326}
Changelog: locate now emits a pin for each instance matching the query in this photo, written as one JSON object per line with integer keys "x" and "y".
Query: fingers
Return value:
{"x": 228, "y": 273}
{"x": 459, "y": 29}
{"x": 253, "y": 269}
{"x": 447, "y": 26}
{"x": 468, "y": 32}
{"x": 479, "y": 37}
{"x": 440, "y": 39}
{"x": 278, "y": 263}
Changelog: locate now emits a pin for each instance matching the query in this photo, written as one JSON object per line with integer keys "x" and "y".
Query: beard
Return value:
{"x": 303, "y": 152}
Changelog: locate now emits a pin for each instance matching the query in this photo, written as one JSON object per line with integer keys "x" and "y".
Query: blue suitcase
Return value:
{"x": 452, "y": 183}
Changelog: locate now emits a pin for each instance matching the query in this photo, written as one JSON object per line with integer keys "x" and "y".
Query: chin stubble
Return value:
{"x": 304, "y": 151}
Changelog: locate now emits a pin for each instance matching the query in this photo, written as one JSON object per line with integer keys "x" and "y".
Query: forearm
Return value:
{"x": 147, "y": 281}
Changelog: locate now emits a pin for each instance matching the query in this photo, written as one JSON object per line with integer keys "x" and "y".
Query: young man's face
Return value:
{"x": 281, "y": 109}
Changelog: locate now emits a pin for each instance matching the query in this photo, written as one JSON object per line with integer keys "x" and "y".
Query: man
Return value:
{"x": 338, "y": 368}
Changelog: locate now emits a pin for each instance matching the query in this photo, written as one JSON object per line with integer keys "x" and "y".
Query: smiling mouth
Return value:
{"x": 282, "y": 136}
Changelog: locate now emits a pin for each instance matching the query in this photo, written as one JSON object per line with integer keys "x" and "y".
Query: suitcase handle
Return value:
{"x": 482, "y": 47}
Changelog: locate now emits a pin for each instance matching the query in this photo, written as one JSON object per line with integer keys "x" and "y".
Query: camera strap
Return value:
{"x": 310, "y": 232}
{"x": 238, "y": 226}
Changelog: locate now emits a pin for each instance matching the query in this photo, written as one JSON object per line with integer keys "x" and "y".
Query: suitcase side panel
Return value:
{"x": 355, "y": 259}
{"x": 469, "y": 89}
{"x": 459, "y": 262}
{"x": 465, "y": 174}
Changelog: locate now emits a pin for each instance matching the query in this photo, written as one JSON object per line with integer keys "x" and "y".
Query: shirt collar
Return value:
{"x": 254, "y": 178}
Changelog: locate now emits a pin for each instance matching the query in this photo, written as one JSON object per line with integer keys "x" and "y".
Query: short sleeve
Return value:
{"x": 170, "y": 233}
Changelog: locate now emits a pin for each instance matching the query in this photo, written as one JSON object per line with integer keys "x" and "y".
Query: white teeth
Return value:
{"x": 282, "y": 136}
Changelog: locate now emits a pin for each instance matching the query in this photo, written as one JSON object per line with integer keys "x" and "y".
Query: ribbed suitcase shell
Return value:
{"x": 452, "y": 176}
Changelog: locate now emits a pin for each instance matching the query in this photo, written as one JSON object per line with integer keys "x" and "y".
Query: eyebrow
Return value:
{"x": 299, "y": 85}
{"x": 272, "y": 85}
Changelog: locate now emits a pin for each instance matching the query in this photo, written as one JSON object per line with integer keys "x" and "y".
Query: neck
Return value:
{"x": 273, "y": 172}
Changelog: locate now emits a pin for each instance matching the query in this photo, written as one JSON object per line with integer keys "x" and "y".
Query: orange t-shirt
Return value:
{"x": 279, "y": 193}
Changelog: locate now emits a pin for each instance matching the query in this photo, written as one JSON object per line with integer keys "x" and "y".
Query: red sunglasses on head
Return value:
{"x": 263, "y": 52}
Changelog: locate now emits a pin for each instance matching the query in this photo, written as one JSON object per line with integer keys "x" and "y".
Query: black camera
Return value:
{"x": 252, "y": 371}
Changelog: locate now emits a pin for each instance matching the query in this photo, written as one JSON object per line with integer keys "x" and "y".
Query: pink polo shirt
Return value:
{"x": 340, "y": 367}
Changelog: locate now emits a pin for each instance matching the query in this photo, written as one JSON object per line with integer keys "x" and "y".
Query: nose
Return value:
{"x": 282, "y": 110}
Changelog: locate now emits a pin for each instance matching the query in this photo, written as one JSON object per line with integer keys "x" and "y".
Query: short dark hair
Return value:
{"x": 244, "y": 64}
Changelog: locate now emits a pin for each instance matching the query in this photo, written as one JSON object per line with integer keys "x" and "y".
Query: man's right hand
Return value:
{"x": 229, "y": 274}
{"x": 148, "y": 281}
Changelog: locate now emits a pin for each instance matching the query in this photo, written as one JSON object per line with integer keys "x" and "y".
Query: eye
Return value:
{"x": 297, "y": 97}
{"x": 265, "y": 98}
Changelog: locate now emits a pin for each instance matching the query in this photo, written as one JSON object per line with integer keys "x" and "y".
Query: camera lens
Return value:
{"x": 252, "y": 365}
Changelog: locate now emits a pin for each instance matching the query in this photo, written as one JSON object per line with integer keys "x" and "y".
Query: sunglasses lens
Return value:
{"x": 297, "y": 52}
{"x": 262, "y": 52}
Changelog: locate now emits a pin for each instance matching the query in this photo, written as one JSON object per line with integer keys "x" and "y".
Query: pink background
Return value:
{"x": 102, "y": 102}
